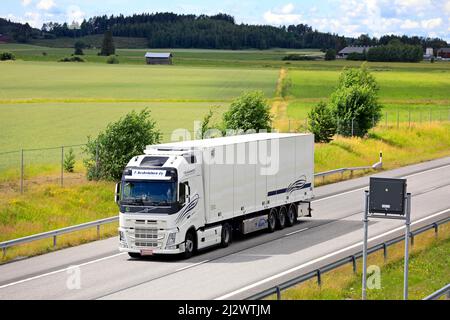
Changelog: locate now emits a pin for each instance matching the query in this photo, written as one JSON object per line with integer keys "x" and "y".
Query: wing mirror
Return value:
{"x": 117, "y": 193}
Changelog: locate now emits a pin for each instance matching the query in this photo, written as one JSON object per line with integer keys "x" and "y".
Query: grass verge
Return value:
{"x": 428, "y": 271}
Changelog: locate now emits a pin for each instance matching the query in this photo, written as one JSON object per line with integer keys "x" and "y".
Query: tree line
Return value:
{"x": 220, "y": 31}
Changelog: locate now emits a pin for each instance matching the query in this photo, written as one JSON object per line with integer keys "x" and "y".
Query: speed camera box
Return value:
{"x": 387, "y": 195}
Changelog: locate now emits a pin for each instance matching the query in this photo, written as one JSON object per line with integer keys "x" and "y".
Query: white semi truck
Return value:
{"x": 185, "y": 196}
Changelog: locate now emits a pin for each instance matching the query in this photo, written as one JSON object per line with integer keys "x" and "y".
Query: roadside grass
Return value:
{"x": 428, "y": 271}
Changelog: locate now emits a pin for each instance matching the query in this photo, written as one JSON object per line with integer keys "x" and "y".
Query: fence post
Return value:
{"x": 62, "y": 166}
{"x": 21, "y": 171}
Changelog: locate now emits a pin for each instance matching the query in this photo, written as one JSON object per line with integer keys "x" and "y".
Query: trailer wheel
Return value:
{"x": 134, "y": 255}
{"x": 189, "y": 245}
{"x": 291, "y": 215}
{"x": 282, "y": 218}
{"x": 226, "y": 235}
{"x": 272, "y": 220}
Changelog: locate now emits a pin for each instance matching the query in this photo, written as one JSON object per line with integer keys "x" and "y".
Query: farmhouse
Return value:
{"x": 444, "y": 53}
{"x": 158, "y": 58}
{"x": 347, "y": 50}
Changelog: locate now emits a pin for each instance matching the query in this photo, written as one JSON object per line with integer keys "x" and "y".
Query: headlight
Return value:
{"x": 171, "y": 238}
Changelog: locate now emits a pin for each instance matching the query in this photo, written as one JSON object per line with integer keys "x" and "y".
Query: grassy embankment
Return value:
{"x": 428, "y": 271}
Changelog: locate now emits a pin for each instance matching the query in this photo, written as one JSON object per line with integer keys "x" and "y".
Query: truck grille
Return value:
{"x": 146, "y": 237}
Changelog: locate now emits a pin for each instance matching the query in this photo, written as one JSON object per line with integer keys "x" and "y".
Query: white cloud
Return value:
{"x": 280, "y": 19}
{"x": 287, "y": 9}
{"x": 409, "y": 24}
{"x": 431, "y": 23}
{"x": 45, "y": 4}
{"x": 447, "y": 7}
{"x": 26, "y": 2}
{"x": 282, "y": 15}
{"x": 74, "y": 13}
{"x": 34, "y": 19}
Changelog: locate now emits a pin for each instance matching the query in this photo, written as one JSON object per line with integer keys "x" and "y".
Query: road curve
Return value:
{"x": 249, "y": 265}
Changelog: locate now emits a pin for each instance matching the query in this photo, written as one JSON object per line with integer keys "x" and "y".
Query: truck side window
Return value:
{"x": 184, "y": 187}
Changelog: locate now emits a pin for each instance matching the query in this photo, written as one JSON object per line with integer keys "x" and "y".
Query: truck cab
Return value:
{"x": 159, "y": 197}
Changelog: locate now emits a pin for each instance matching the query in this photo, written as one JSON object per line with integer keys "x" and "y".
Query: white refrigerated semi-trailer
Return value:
{"x": 184, "y": 196}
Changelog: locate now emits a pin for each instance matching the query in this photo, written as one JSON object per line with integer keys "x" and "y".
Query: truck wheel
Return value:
{"x": 291, "y": 215}
{"x": 134, "y": 255}
{"x": 282, "y": 218}
{"x": 189, "y": 245}
{"x": 226, "y": 235}
{"x": 272, "y": 220}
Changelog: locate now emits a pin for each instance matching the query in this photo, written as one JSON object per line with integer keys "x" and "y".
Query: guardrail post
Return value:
{"x": 412, "y": 238}
{"x": 354, "y": 264}
{"x": 385, "y": 252}
{"x": 319, "y": 277}
{"x": 54, "y": 241}
{"x": 278, "y": 293}
{"x": 436, "y": 230}
{"x": 4, "y": 252}
{"x": 98, "y": 231}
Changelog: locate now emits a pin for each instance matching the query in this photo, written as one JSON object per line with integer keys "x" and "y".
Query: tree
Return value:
{"x": 79, "y": 46}
{"x": 111, "y": 150}
{"x": 108, "y": 47}
{"x": 330, "y": 54}
{"x": 322, "y": 123}
{"x": 250, "y": 111}
{"x": 69, "y": 161}
{"x": 354, "y": 103}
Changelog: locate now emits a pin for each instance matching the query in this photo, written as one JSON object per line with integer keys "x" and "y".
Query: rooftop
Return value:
{"x": 165, "y": 55}
{"x": 348, "y": 50}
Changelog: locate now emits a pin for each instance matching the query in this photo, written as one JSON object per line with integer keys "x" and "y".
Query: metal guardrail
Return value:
{"x": 55, "y": 233}
{"x": 350, "y": 259}
{"x": 4, "y": 245}
{"x": 375, "y": 166}
{"x": 436, "y": 295}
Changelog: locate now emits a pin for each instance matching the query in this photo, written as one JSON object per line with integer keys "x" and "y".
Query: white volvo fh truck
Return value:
{"x": 185, "y": 196}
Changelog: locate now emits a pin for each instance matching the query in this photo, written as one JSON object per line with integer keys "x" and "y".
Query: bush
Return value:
{"x": 69, "y": 161}
{"x": 79, "y": 46}
{"x": 356, "y": 56}
{"x": 111, "y": 150}
{"x": 72, "y": 59}
{"x": 330, "y": 54}
{"x": 322, "y": 123}
{"x": 396, "y": 52}
{"x": 355, "y": 98}
{"x": 7, "y": 56}
{"x": 112, "y": 60}
{"x": 250, "y": 111}
{"x": 286, "y": 86}
{"x": 298, "y": 57}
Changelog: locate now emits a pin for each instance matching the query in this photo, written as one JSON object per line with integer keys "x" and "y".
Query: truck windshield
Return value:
{"x": 149, "y": 192}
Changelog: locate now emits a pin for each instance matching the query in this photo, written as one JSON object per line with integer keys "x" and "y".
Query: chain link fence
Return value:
{"x": 22, "y": 169}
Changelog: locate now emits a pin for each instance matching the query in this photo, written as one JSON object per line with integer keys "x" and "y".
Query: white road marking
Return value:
{"x": 365, "y": 187}
{"x": 60, "y": 270}
{"x": 294, "y": 232}
{"x": 228, "y": 295}
{"x": 122, "y": 253}
{"x": 192, "y": 265}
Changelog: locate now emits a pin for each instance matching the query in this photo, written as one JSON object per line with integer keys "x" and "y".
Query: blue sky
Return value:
{"x": 348, "y": 17}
